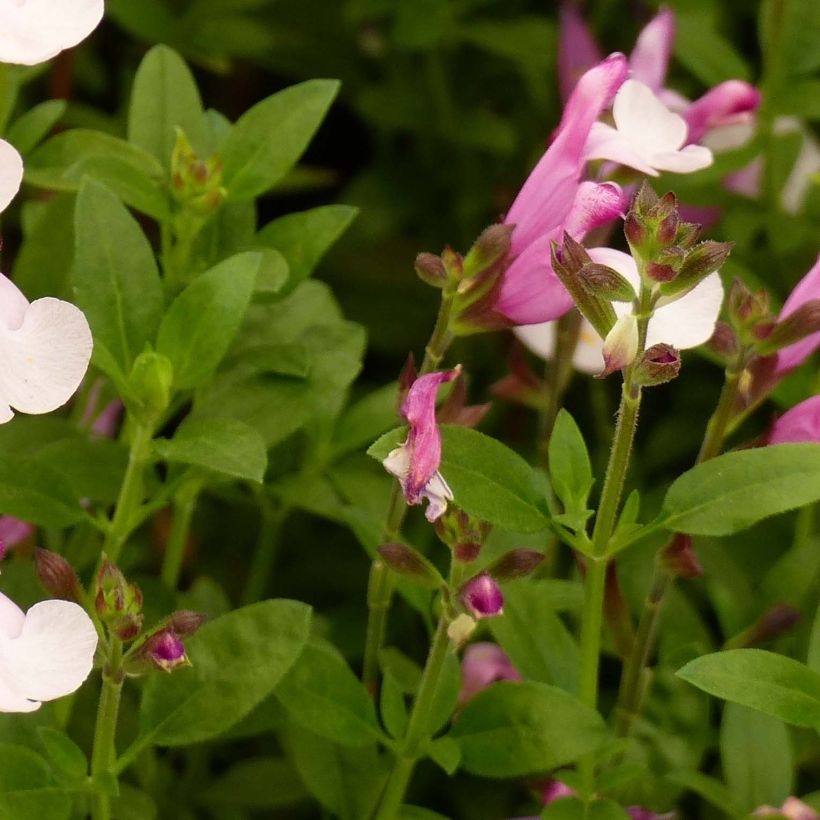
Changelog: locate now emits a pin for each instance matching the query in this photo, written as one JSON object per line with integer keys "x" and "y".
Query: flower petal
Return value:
{"x": 54, "y": 653}
{"x": 639, "y": 115}
{"x": 594, "y": 204}
{"x": 577, "y": 49}
{"x": 11, "y": 617}
{"x": 807, "y": 288}
{"x": 800, "y": 424}
{"x": 688, "y": 159}
{"x": 11, "y": 172}
{"x": 44, "y": 360}
{"x": 606, "y": 142}
{"x": 650, "y": 57}
{"x": 13, "y": 305}
{"x": 37, "y": 30}
{"x": 721, "y": 104}
{"x": 690, "y": 320}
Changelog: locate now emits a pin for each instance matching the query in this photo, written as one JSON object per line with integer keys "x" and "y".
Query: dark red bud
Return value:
{"x": 186, "y": 622}
{"x": 678, "y": 558}
{"x": 660, "y": 273}
{"x": 515, "y": 564}
{"x": 56, "y": 575}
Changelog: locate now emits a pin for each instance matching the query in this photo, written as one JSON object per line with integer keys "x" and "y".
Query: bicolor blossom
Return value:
{"x": 33, "y": 31}
{"x": 685, "y": 323}
{"x": 484, "y": 663}
{"x": 554, "y": 200}
{"x": 45, "y": 653}
{"x": 416, "y": 462}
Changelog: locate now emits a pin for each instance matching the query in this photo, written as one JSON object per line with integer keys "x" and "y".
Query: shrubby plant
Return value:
{"x": 568, "y": 631}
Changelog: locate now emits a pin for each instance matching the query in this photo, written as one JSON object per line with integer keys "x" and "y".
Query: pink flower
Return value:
{"x": 806, "y": 290}
{"x": 800, "y": 424}
{"x": 556, "y": 790}
{"x": 553, "y": 199}
{"x": 577, "y": 49}
{"x": 416, "y": 462}
{"x": 12, "y": 532}
{"x": 484, "y": 663}
{"x": 37, "y": 30}
{"x": 45, "y": 653}
{"x": 481, "y": 596}
{"x": 792, "y": 808}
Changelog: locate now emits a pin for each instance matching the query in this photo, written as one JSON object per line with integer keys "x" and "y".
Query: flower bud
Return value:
{"x": 492, "y": 245}
{"x": 515, "y": 564}
{"x": 481, "y": 596}
{"x": 430, "y": 269}
{"x": 556, "y": 790}
{"x": 460, "y": 629}
{"x": 150, "y": 380}
{"x": 688, "y": 234}
{"x": 620, "y": 345}
{"x": 118, "y": 603}
{"x": 678, "y": 558}
{"x": 57, "y": 576}
{"x": 454, "y": 409}
{"x": 796, "y": 326}
{"x": 606, "y": 282}
{"x": 659, "y": 364}
{"x": 771, "y": 624}
{"x": 413, "y": 565}
{"x": 700, "y": 261}
{"x": 660, "y": 273}
{"x": 185, "y": 622}
{"x": 164, "y": 650}
{"x": 636, "y": 230}
{"x": 724, "y": 341}
{"x": 747, "y": 309}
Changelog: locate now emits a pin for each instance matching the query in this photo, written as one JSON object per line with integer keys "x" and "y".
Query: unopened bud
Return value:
{"x": 118, "y": 603}
{"x": 482, "y": 597}
{"x": 408, "y": 375}
{"x": 635, "y": 230}
{"x": 678, "y": 558}
{"x": 412, "y": 565}
{"x": 770, "y": 625}
{"x": 668, "y": 228}
{"x": 165, "y": 651}
{"x": 660, "y": 273}
{"x": 466, "y": 551}
{"x": 620, "y": 345}
{"x": 56, "y": 575}
{"x": 150, "y": 380}
{"x": 430, "y": 269}
{"x": 796, "y": 326}
{"x": 700, "y": 261}
{"x": 747, "y": 309}
{"x": 606, "y": 282}
{"x": 688, "y": 234}
{"x": 646, "y": 200}
{"x": 460, "y": 629}
{"x": 659, "y": 364}
{"x": 492, "y": 245}
{"x": 515, "y": 564}
{"x": 185, "y": 622}
{"x": 724, "y": 341}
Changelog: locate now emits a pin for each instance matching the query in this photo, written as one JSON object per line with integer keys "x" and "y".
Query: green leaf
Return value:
{"x": 773, "y": 684}
{"x": 115, "y": 275}
{"x": 325, "y": 697}
{"x": 27, "y": 790}
{"x": 94, "y": 468}
{"x": 34, "y": 491}
{"x": 756, "y": 757}
{"x": 238, "y": 659}
{"x": 548, "y": 654}
{"x": 570, "y": 468}
{"x": 446, "y": 752}
{"x": 709, "y": 788}
{"x": 733, "y": 491}
{"x": 708, "y": 55}
{"x": 225, "y": 446}
{"x": 813, "y": 658}
{"x": 516, "y": 729}
{"x": 392, "y": 706}
{"x": 488, "y": 480}
{"x": 202, "y": 321}
{"x": 303, "y": 238}
{"x": 68, "y": 758}
{"x": 267, "y": 140}
{"x": 574, "y": 809}
{"x": 33, "y": 126}
{"x": 164, "y": 97}
{"x": 256, "y": 783}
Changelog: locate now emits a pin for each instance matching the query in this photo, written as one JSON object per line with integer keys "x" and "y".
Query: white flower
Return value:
{"x": 647, "y": 136}
{"x": 45, "y": 653}
{"x": 687, "y": 322}
{"x": 33, "y": 31}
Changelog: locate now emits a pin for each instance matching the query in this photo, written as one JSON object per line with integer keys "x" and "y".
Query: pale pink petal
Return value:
{"x": 673, "y": 100}
{"x": 621, "y": 262}
{"x": 588, "y": 356}
{"x": 594, "y": 204}
{"x": 577, "y": 49}
{"x": 37, "y": 30}
{"x": 483, "y": 664}
{"x": 650, "y": 57}
{"x": 13, "y": 305}
{"x": 807, "y": 289}
{"x": 723, "y": 103}
{"x": 746, "y": 181}
{"x": 44, "y": 360}
{"x": 640, "y": 115}
{"x": 13, "y": 530}
{"x": 547, "y": 196}
{"x": 800, "y": 424}
{"x": 690, "y": 320}
{"x": 11, "y": 170}
{"x": 11, "y": 617}
{"x": 539, "y": 338}
{"x": 54, "y": 653}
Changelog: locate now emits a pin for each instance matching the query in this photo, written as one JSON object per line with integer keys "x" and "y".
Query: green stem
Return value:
{"x": 418, "y": 732}
{"x": 380, "y": 584}
{"x": 182, "y": 512}
{"x": 130, "y": 492}
{"x": 272, "y": 519}
{"x": 634, "y": 684}
{"x": 104, "y": 754}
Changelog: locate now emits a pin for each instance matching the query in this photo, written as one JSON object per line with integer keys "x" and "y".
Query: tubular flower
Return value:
{"x": 685, "y": 323}
{"x": 416, "y": 462}
{"x": 484, "y": 663}
{"x": 806, "y": 290}
{"x": 34, "y": 31}
{"x": 45, "y": 653}
{"x": 800, "y": 424}
{"x": 554, "y": 200}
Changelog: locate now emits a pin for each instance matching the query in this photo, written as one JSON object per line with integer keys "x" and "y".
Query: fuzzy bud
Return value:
{"x": 164, "y": 650}
{"x": 492, "y": 245}
{"x": 482, "y": 597}
{"x": 678, "y": 558}
{"x": 659, "y": 364}
{"x": 620, "y": 345}
{"x": 747, "y": 309}
{"x": 57, "y": 576}
{"x": 724, "y": 341}
{"x": 118, "y": 603}
{"x": 606, "y": 282}
{"x": 430, "y": 269}
{"x": 700, "y": 261}
{"x": 660, "y": 273}
{"x": 405, "y": 561}
{"x": 185, "y": 622}
{"x": 796, "y": 326}
{"x": 515, "y": 564}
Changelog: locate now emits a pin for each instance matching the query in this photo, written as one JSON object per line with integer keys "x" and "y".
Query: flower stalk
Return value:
{"x": 104, "y": 753}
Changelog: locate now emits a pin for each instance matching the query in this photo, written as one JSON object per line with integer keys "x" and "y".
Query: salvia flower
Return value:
{"x": 165, "y": 650}
{"x": 484, "y": 663}
{"x": 482, "y": 597}
{"x": 45, "y": 653}
{"x": 37, "y": 30}
{"x": 800, "y": 424}
{"x": 806, "y": 290}
{"x": 416, "y": 462}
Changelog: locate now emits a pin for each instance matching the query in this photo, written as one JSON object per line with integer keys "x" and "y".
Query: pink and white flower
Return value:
{"x": 33, "y": 31}
{"x": 416, "y": 462}
{"x": 45, "y": 653}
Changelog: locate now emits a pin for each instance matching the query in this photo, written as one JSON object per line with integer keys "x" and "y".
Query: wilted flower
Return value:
{"x": 37, "y": 30}
{"x": 416, "y": 462}
{"x": 484, "y": 663}
{"x": 45, "y": 653}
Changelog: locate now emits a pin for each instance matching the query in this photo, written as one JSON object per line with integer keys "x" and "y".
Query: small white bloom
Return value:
{"x": 45, "y": 653}
{"x": 33, "y": 31}
{"x": 647, "y": 136}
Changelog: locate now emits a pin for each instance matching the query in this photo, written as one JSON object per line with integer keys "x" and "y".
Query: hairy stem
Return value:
{"x": 104, "y": 755}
